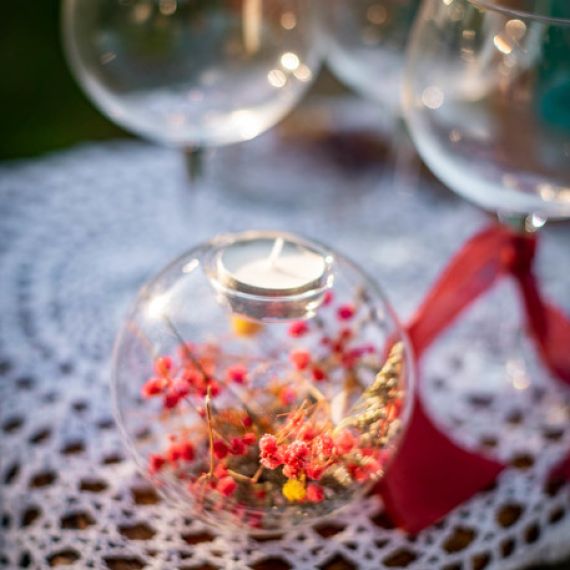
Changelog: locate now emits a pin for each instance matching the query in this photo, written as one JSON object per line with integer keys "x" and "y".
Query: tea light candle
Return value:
{"x": 269, "y": 275}
{"x": 272, "y": 267}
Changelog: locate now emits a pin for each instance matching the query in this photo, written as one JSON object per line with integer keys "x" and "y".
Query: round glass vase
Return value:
{"x": 261, "y": 381}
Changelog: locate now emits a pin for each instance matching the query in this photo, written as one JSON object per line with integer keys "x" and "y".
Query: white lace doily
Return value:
{"x": 81, "y": 230}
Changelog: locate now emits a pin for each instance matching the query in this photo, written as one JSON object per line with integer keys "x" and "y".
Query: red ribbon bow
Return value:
{"x": 430, "y": 474}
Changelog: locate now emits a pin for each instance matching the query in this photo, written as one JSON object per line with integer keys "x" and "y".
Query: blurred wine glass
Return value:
{"x": 487, "y": 98}
{"x": 365, "y": 46}
{"x": 365, "y": 43}
{"x": 192, "y": 73}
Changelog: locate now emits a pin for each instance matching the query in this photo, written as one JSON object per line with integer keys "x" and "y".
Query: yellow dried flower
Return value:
{"x": 294, "y": 490}
{"x": 245, "y": 327}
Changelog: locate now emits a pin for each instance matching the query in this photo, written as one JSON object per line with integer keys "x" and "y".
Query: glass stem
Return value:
{"x": 403, "y": 160}
{"x": 525, "y": 224}
{"x": 195, "y": 163}
{"x": 520, "y": 367}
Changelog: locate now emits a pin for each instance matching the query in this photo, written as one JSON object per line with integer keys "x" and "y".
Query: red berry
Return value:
{"x": 220, "y": 449}
{"x": 171, "y": 400}
{"x": 348, "y": 359}
{"x": 173, "y": 454}
{"x": 186, "y": 451}
{"x": 268, "y": 444}
{"x": 163, "y": 365}
{"x": 298, "y": 329}
{"x": 318, "y": 374}
{"x": 220, "y": 471}
{"x": 326, "y": 341}
{"x": 300, "y": 358}
{"x": 181, "y": 387}
{"x": 315, "y": 493}
{"x": 328, "y": 298}
{"x": 314, "y": 472}
{"x": 296, "y": 453}
{"x": 152, "y": 387}
{"x": 337, "y": 347}
{"x": 345, "y": 442}
{"x": 192, "y": 377}
{"x": 345, "y": 312}
{"x": 237, "y": 446}
{"x": 215, "y": 388}
{"x": 247, "y": 421}
{"x": 226, "y": 486}
{"x": 155, "y": 463}
{"x": 287, "y": 396}
{"x": 237, "y": 373}
{"x": 269, "y": 453}
{"x": 249, "y": 438}
{"x": 325, "y": 446}
{"x": 307, "y": 433}
{"x": 346, "y": 334}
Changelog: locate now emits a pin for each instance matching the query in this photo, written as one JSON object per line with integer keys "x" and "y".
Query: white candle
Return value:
{"x": 276, "y": 266}
{"x": 269, "y": 267}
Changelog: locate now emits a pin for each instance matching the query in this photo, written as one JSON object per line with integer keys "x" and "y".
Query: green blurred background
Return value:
{"x": 41, "y": 107}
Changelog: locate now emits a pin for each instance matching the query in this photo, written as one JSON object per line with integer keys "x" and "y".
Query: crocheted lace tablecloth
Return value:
{"x": 81, "y": 230}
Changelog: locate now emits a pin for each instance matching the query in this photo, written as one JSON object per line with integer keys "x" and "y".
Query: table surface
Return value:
{"x": 80, "y": 231}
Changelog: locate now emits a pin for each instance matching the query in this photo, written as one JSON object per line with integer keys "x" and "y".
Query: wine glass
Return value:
{"x": 487, "y": 100}
{"x": 366, "y": 42}
{"x": 192, "y": 73}
{"x": 365, "y": 48}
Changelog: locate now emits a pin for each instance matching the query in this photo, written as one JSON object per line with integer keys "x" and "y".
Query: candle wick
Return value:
{"x": 275, "y": 252}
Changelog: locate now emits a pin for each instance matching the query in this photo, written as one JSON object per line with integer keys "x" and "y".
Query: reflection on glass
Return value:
{"x": 487, "y": 99}
{"x": 488, "y": 102}
{"x": 366, "y": 41}
{"x": 192, "y": 73}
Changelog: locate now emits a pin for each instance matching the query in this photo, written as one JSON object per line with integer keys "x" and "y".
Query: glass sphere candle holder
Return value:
{"x": 261, "y": 381}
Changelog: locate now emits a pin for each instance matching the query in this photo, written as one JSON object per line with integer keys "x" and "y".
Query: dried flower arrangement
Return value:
{"x": 310, "y": 437}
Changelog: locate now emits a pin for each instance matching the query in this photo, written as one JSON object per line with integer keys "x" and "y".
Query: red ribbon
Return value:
{"x": 430, "y": 474}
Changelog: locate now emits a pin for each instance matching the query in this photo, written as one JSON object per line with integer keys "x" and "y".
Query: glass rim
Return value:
{"x": 529, "y": 10}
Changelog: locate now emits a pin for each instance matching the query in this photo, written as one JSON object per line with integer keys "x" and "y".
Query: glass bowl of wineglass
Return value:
{"x": 487, "y": 100}
{"x": 366, "y": 42}
{"x": 192, "y": 74}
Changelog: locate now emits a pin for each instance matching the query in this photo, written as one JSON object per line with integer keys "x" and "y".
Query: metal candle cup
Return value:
{"x": 270, "y": 276}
